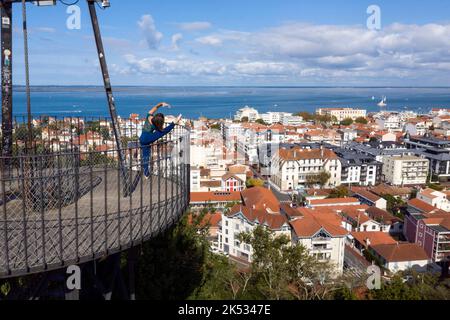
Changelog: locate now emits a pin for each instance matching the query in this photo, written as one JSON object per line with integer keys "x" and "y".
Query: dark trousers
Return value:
{"x": 146, "y": 141}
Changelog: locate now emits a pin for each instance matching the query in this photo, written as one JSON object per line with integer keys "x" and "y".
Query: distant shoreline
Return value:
{"x": 258, "y": 87}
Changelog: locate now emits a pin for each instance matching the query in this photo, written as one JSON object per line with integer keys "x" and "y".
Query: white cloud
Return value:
{"x": 319, "y": 54}
{"x": 195, "y": 26}
{"x": 176, "y": 39}
{"x": 152, "y": 35}
{"x": 210, "y": 40}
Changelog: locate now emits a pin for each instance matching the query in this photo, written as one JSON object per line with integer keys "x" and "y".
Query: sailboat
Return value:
{"x": 383, "y": 103}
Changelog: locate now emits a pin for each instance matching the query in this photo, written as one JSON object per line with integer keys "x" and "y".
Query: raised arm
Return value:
{"x": 152, "y": 112}
{"x": 156, "y": 135}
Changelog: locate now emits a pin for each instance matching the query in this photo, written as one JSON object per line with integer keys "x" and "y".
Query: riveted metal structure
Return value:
{"x": 72, "y": 190}
{"x": 66, "y": 203}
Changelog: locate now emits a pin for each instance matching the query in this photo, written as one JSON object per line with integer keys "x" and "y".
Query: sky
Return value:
{"x": 241, "y": 42}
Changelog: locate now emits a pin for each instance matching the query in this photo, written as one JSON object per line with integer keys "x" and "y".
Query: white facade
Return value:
{"x": 405, "y": 170}
{"x": 342, "y": 113}
{"x": 324, "y": 247}
{"x": 435, "y": 198}
{"x": 291, "y": 172}
{"x": 232, "y": 227}
{"x": 248, "y": 112}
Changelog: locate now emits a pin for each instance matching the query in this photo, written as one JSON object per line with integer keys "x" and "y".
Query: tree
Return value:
{"x": 284, "y": 271}
{"x": 339, "y": 192}
{"x": 394, "y": 204}
{"x": 21, "y": 133}
{"x": 321, "y": 179}
{"x": 244, "y": 119}
{"x": 172, "y": 266}
{"x": 361, "y": 120}
{"x": 436, "y": 187}
{"x": 262, "y": 122}
{"x": 347, "y": 122}
{"x": 251, "y": 183}
{"x": 215, "y": 126}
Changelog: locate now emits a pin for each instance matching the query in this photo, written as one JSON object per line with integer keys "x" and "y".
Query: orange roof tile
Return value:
{"x": 333, "y": 202}
{"x": 375, "y": 238}
{"x": 215, "y": 196}
{"x": 400, "y": 252}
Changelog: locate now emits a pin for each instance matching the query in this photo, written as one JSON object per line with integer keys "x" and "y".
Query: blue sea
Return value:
{"x": 222, "y": 102}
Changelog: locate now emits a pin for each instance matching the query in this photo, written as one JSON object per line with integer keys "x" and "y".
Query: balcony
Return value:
{"x": 60, "y": 208}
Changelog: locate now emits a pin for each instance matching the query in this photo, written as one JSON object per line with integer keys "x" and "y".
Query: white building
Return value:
{"x": 247, "y": 112}
{"x": 342, "y": 113}
{"x": 293, "y": 169}
{"x": 322, "y": 234}
{"x": 437, "y": 199}
{"x": 405, "y": 170}
{"x": 292, "y": 121}
{"x": 390, "y": 122}
{"x": 401, "y": 256}
{"x": 259, "y": 207}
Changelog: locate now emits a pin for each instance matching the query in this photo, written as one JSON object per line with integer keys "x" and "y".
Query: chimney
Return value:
{"x": 253, "y": 207}
{"x": 368, "y": 242}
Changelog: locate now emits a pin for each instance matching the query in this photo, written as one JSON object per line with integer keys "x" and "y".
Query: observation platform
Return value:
{"x": 71, "y": 205}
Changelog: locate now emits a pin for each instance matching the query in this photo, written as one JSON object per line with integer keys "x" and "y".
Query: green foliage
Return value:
{"x": 250, "y": 183}
{"x": 261, "y": 121}
{"x": 411, "y": 285}
{"x": 347, "y": 122}
{"x": 394, "y": 205}
{"x": 361, "y": 120}
{"x": 321, "y": 179}
{"x": 284, "y": 271}
{"x": 316, "y": 118}
{"x": 344, "y": 293}
{"x": 172, "y": 265}
{"x": 435, "y": 186}
{"x": 21, "y": 133}
{"x": 244, "y": 119}
{"x": 339, "y": 192}
{"x": 215, "y": 126}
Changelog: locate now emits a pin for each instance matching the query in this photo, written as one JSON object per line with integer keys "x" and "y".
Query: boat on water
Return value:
{"x": 382, "y": 103}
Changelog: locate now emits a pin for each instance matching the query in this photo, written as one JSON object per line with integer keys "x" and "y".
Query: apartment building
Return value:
{"x": 295, "y": 168}
{"x": 437, "y": 199}
{"x": 436, "y": 150}
{"x": 342, "y": 113}
{"x": 247, "y": 112}
{"x": 358, "y": 169}
{"x": 431, "y": 231}
{"x": 320, "y": 231}
{"x": 259, "y": 207}
{"x": 405, "y": 170}
{"x": 390, "y": 122}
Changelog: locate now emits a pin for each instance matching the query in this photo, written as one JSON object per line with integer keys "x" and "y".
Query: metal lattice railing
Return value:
{"x": 67, "y": 201}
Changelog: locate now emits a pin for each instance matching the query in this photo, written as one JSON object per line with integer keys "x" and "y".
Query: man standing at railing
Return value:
{"x": 154, "y": 130}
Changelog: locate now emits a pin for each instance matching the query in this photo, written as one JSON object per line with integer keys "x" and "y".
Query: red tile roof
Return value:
{"x": 421, "y": 205}
{"x": 382, "y": 216}
{"x": 215, "y": 196}
{"x": 298, "y": 153}
{"x": 309, "y": 226}
{"x": 375, "y": 238}
{"x": 273, "y": 221}
{"x": 333, "y": 202}
{"x": 400, "y": 252}
{"x": 260, "y": 198}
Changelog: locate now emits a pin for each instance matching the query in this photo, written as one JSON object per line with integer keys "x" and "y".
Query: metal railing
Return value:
{"x": 66, "y": 201}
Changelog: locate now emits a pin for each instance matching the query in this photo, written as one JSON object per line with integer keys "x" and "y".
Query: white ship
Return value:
{"x": 383, "y": 103}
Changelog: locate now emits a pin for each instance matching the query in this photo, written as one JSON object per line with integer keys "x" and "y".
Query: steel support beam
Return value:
{"x": 6, "y": 56}
{"x": 109, "y": 92}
